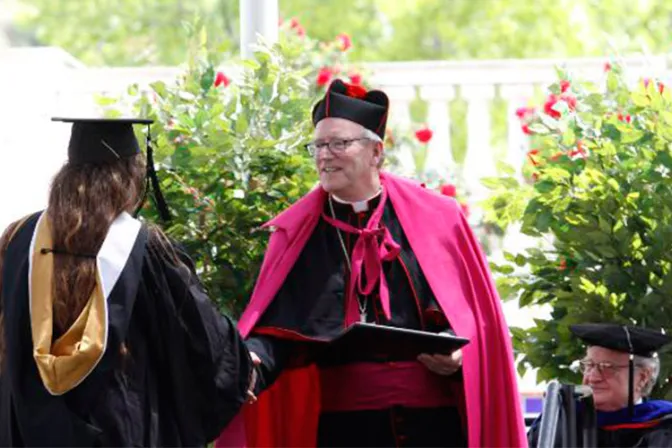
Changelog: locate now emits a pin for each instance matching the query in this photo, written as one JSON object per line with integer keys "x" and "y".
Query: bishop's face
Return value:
{"x": 606, "y": 372}
{"x": 346, "y": 159}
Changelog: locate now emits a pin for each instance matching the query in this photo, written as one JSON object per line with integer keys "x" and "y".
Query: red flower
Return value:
{"x": 294, "y": 23}
{"x": 424, "y": 135}
{"x": 300, "y": 31}
{"x": 356, "y": 78}
{"x": 661, "y": 87}
{"x": 221, "y": 79}
{"x": 564, "y": 85}
{"x": 345, "y": 41}
{"x": 563, "y": 265}
{"x": 607, "y": 67}
{"x": 570, "y": 100}
{"x": 355, "y": 91}
{"x": 530, "y": 155}
{"x": 465, "y": 208}
{"x": 323, "y": 77}
{"x": 580, "y": 151}
{"x": 625, "y": 118}
{"x": 526, "y": 129}
{"x": 449, "y": 190}
{"x": 523, "y": 112}
{"x": 548, "y": 106}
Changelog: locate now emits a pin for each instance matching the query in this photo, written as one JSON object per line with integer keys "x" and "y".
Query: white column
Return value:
{"x": 400, "y": 120}
{"x": 257, "y": 18}
{"x": 479, "y": 161}
{"x": 440, "y": 156}
{"x": 516, "y": 96}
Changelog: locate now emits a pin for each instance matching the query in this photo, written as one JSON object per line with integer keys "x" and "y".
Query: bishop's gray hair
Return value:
{"x": 368, "y": 133}
{"x": 653, "y": 366}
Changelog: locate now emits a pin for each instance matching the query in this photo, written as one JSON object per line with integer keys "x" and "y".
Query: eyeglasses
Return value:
{"x": 335, "y": 146}
{"x": 605, "y": 368}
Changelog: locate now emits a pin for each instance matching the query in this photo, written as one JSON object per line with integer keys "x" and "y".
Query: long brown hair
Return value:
{"x": 83, "y": 202}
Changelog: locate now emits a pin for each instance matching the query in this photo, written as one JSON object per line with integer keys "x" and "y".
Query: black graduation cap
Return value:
{"x": 623, "y": 338}
{"x": 106, "y": 140}
{"x": 354, "y": 103}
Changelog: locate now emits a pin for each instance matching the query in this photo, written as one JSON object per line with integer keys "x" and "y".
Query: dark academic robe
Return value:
{"x": 650, "y": 426}
{"x": 179, "y": 378}
{"x": 311, "y": 306}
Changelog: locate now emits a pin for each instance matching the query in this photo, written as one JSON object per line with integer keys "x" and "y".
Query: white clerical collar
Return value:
{"x": 358, "y": 206}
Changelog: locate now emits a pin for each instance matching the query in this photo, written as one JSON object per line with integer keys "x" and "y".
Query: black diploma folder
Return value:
{"x": 384, "y": 343}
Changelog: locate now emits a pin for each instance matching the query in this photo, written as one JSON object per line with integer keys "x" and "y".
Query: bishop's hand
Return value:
{"x": 442, "y": 364}
{"x": 251, "y": 397}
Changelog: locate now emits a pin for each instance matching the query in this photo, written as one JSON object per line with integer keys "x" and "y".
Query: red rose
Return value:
{"x": 355, "y": 91}
{"x": 449, "y": 190}
{"x": 465, "y": 208}
{"x": 564, "y": 85}
{"x": 424, "y": 135}
{"x": 356, "y": 78}
{"x": 607, "y": 67}
{"x": 221, "y": 79}
{"x": 323, "y": 77}
{"x": 345, "y": 41}
{"x": 548, "y": 106}
{"x": 526, "y": 129}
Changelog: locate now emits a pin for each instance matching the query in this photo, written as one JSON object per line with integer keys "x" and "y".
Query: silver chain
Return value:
{"x": 362, "y": 306}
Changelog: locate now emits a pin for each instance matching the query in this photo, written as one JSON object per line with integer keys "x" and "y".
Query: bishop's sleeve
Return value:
{"x": 206, "y": 363}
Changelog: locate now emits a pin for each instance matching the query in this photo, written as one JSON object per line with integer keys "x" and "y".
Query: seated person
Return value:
{"x": 625, "y": 417}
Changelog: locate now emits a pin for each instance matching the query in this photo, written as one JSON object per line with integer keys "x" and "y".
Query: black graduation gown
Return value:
{"x": 311, "y": 304}
{"x": 183, "y": 378}
{"x": 644, "y": 434}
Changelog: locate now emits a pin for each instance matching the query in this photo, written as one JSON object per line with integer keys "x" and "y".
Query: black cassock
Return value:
{"x": 311, "y": 304}
{"x": 181, "y": 378}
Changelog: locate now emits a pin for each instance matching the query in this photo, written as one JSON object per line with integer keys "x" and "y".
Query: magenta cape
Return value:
{"x": 455, "y": 267}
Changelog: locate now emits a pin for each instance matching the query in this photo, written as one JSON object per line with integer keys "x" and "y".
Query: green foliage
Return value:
{"x": 600, "y": 200}
{"x": 230, "y": 158}
{"x": 132, "y": 32}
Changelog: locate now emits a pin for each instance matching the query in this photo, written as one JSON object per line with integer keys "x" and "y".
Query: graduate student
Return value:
{"x": 107, "y": 337}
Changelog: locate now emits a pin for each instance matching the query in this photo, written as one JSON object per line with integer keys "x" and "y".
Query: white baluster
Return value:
{"x": 440, "y": 156}
{"x": 516, "y": 96}
{"x": 400, "y": 118}
{"x": 479, "y": 161}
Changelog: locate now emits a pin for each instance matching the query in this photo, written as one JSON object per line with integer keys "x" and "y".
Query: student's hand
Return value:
{"x": 442, "y": 364}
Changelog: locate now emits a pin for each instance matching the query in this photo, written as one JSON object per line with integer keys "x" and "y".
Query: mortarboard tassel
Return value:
{"x": 153, "y": 181}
